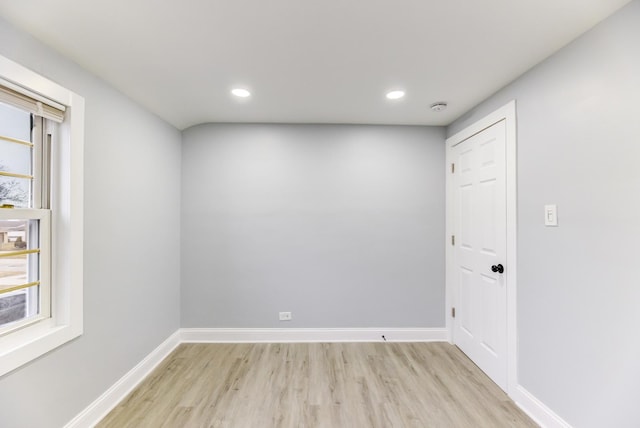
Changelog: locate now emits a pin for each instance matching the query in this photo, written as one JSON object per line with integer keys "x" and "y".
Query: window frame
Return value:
{"x": 67, "y": 186}
{"x": 37, "y": 302}
{"x": 43, "y": 216}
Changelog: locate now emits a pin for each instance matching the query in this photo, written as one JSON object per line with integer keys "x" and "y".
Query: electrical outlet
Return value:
{"x": 284, "y": 316}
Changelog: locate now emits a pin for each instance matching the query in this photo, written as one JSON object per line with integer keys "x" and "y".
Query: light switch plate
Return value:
{"x": 550, "y": 215}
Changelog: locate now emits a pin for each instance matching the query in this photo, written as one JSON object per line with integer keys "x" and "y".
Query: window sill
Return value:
{"x": 20, "y": 347}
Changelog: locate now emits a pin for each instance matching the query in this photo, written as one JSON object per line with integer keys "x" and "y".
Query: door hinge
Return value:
{"x": 453, "y": 168}
{"x": 453, "y": 239}
{"x": 453, "y": 312}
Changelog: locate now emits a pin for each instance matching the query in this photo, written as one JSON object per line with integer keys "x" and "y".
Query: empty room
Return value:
{"x": 319, "y": 214}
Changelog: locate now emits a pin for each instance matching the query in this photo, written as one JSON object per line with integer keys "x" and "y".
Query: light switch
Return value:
{"x": 550, "y": 215}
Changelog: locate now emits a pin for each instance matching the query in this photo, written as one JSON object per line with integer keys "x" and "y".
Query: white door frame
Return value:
{"x": 508, "y": 114}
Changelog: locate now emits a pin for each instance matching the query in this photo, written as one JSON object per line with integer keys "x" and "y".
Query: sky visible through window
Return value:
{"x": 15, "y": 158}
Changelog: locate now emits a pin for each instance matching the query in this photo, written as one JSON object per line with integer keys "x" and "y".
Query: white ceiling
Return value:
{"x": 307, "y": 61}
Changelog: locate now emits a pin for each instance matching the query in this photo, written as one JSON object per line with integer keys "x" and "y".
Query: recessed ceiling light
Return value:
{"x": 239, "y": 92}
{"x": 439, "y": 106}
{"x": 394, "y": 95}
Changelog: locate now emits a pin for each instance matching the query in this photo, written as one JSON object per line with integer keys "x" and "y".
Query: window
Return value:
{"x": 25, "y": 226}
{"x": 41, "y": 176}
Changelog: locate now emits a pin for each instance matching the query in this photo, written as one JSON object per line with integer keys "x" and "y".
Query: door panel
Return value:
{"x": 465, "y": 311}
{"x": 479, "y": 224}
{"x": 490, "y": 304}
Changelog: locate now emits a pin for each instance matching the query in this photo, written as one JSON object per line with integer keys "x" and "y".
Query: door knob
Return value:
{"x": 497, "y": 268}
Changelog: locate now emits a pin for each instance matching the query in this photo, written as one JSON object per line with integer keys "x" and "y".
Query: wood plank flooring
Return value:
{"x": 317, "y": 385}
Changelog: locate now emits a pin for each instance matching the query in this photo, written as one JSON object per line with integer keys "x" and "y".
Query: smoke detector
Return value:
{"x": 439, "y": 106}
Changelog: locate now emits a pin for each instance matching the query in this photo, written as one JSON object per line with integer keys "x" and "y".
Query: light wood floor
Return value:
{"x": 333, "y": 385}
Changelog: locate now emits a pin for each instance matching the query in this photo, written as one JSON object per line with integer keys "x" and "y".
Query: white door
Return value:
{"x": 479, "y": 250}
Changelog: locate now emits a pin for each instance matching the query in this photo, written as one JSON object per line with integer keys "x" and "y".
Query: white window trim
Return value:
{"x": 24, "y": 345}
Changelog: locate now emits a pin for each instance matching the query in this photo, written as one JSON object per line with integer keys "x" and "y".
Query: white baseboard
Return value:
{"x": 97, "y": 410}
{"x": 293, "y": 335}
{"x": 537, "y": 410}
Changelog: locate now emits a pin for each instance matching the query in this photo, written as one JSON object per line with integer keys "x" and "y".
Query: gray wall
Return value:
{"x": 341, "y": 225}
{"x": 131, "y": 242}
{"x": 579, "y": 284}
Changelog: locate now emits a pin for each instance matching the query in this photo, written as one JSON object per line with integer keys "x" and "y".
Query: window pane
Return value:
{"x": 15, "y": 191}
{"x": 15, "y": 123}
{"x": 13, "y": 307}
{"x": 18, "y": 270}
{"x": 16, "y": 306}
{"x": 15, "y": 158}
